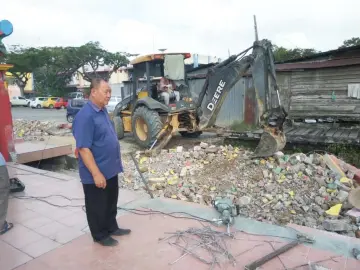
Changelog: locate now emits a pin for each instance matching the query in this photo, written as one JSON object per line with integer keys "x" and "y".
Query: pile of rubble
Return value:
{"x": 30, "y": 130}
{"x": 310, "y": 190}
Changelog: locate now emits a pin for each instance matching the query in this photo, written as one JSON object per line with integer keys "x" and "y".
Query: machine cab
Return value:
{"x": 148, "y": 71}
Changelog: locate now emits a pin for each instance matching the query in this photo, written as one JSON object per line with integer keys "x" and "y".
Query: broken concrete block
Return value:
{"x": 336, "y": 225}
{"x": 154, "y": 180}
{"x": 244, "y": 200}
{"x": 204, "y": 145}
{"x": 354, "y": 214}
{"x": 342, "y": 196}
{"x": 183, "y": 172}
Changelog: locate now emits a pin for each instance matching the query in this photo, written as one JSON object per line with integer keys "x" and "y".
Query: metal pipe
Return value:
{"x": 142, "y": 177}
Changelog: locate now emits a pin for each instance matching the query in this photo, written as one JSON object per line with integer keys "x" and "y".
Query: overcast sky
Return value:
{"x": 209, "y": 27}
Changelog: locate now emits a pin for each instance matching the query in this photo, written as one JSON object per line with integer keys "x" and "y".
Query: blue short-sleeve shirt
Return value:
{"x": 92, "y": 128}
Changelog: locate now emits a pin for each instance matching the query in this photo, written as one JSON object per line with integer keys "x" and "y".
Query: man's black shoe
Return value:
{"x": 108, "y": 242}
{"x": 120, "y": 232}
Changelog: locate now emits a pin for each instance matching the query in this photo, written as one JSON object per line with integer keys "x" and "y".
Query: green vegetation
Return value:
{"x": 54, "y": 67}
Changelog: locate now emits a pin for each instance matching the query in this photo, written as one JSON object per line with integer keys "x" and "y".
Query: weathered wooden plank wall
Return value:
{"x": 323, "y": 93}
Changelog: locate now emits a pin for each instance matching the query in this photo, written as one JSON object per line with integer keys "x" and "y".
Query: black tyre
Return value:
{"x": 146, "y": 124}
{"x": 119, "y": 127}
{"x": 38, "y": 106}
{"x": 190, "y": 134}
{"x": 51, "y": 106}
{"x": 70, "y": 118}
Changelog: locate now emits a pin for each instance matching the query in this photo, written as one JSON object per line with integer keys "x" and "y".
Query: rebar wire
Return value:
{"x": 206, "y": 241}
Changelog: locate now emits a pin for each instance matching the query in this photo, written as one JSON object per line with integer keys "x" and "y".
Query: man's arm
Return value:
{"x": 89, "y": 161}
{"x": 83, "y": 130}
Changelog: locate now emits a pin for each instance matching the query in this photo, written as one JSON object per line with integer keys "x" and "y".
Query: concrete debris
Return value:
{"x": 336, "y": 225}
{"x": 298, "y": 188}
{"x": 34, "y": 130}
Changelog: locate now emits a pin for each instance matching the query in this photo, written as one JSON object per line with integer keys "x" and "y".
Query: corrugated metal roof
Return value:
{"x": 319, "y": 64}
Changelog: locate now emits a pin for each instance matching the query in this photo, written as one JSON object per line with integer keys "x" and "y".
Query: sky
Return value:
{"x": 208, "y": 27}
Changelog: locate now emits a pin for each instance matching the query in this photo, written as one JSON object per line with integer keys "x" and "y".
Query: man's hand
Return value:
{"x": 90, "y": 163}
{"x": 99, "y": 180}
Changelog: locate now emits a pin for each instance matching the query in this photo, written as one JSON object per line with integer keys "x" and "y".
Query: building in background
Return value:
{"x": 14, "y": 89}
{"x": 198, "y": 60}
{"x": 78, "y": 83}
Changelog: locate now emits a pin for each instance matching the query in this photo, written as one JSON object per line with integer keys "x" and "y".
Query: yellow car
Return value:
{"x": 49, "y": 102}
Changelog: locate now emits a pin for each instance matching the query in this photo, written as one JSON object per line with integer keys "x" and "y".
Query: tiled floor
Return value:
{"x": 51, "y": 237}
{"x": 143, "y": 250}
{"x": 39, "y": 226}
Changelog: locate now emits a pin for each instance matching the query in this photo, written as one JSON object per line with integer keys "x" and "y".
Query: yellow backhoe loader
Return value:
{"x": 153, "y": 123}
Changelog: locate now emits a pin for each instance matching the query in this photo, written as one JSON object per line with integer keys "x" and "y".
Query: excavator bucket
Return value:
{"x": 271, "y": 141}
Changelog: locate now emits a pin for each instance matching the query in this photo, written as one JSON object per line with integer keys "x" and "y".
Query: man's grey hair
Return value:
{"x": 95, "y": 83}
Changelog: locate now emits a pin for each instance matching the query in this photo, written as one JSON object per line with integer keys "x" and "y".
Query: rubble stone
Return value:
{"x": 34, "y": 130}
{"x": 244, "y": 200}
{"x": 335, "y": 225}
{"x": 342, "y": 196}
{"x": 284, "y": 188}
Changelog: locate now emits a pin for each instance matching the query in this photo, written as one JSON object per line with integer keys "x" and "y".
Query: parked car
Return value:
{"x": 49, "y": 102}
{"x": 19, "y": 101}
{"x": 37, "y": 102}
{"x": 61, "y": 103}
{"x": 73, "y": 107}
{"x": 112, "y": 103}
{"x": 76, "y": 95}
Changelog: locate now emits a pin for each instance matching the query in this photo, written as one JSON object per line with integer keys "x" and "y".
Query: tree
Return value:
{"x": 283, "y": 54}
{"x": 25, "y": 61}
{"x": 59, "y": 65}
{"x": 350, "y": 42}
{"x": 93, "y": 57}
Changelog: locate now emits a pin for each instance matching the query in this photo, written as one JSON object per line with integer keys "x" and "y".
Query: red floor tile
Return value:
{"x": 352, "y": 264}
{"x": 337, "y": 262}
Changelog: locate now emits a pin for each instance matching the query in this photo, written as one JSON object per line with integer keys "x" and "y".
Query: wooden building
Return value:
{"x": 322, "y": 86}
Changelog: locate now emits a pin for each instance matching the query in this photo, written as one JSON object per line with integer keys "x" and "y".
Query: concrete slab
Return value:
{"x": 34, "y": 151}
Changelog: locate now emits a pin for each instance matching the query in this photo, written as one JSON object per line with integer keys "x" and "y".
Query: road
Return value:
{"x": 39, "y": 114}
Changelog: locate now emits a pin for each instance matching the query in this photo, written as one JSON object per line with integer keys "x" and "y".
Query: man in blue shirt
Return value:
{"x": 99, "y": 164}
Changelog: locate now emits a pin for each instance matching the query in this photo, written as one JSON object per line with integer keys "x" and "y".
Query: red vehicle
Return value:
{"x": 61, "y": 103}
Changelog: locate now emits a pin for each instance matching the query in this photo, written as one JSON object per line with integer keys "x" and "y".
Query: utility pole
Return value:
{"x": 256, "y": 31}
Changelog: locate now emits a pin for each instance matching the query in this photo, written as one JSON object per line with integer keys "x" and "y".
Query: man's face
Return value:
{"x": 102, "y": 93}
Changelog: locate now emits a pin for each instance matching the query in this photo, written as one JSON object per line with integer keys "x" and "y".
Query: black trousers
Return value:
{"x": 101, "y": 208}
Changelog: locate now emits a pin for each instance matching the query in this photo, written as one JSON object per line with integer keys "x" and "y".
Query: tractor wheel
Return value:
{"x": 119, "y": 127}
{"x": 146, "y": 124}
{"x": 190, "y": 134}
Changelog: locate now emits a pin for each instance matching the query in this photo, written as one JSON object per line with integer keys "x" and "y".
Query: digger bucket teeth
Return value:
{"x": 270, "y": 143}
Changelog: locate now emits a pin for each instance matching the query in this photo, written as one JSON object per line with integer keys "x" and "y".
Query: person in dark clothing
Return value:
{"x": 4, "y": 196}
{"x": 99, "y": 164}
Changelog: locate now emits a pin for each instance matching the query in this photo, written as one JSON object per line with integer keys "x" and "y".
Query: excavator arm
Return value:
{"x": 222, "y": 77}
